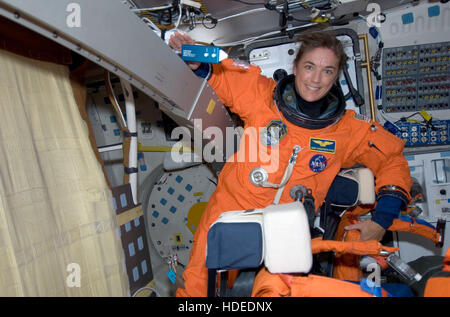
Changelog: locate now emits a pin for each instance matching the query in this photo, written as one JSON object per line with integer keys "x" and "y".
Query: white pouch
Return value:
{"x": 287, "y": 239}
{"x": 278, "y": 235}
{"x": 366, "y": 184}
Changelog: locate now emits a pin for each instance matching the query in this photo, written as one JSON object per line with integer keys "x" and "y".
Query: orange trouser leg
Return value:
{"x": 281, "y": 285}
{"x": 347, "y": 265}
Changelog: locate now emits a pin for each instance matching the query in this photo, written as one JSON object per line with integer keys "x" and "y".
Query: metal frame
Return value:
{"x": 112, "y": 36}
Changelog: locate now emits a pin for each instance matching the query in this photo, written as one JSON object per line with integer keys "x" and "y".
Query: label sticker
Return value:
{"x": 172, "y": 276}
{"x": 322, "y": 145}
{"x": 211, "y": 106}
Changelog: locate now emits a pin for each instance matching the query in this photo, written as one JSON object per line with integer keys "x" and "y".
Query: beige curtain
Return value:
{"x": 58, "y": 233}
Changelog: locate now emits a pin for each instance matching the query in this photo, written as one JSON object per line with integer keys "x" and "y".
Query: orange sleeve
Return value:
{"x": 382, "y": 152}
{"x": 281, "y": 285}
{"x": 241, "y": 89}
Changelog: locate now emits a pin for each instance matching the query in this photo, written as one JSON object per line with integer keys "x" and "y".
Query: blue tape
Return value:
{"x": 407, "y": 18}
{"x": 378, "y": 92}
{"x": 434, "y": 11}
{"x": 373, "y": 31}
{"x": 172, "y": 276}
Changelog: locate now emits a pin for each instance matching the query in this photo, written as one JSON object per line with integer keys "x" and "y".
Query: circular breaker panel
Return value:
{"x": 175, "y": 206}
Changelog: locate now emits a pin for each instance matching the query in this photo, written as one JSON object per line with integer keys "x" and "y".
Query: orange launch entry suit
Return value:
{"x": 351, "y": 140}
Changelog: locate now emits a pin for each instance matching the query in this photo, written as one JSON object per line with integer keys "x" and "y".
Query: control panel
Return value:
{"x": 432, "y": 172}
{"x": 416, "y": 77}
{"x": 420, "y": 134}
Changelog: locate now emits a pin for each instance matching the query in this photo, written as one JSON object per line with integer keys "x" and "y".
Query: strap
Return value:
{"x": 310, "y": 207}
{"x": 329, "y": 220}
{"x": 287, "y": 174}
{"x": 243, "y": 284}
{"x": 212, "y": 283}
{"x": 394, "y": 191}
{"x": 124, "y": 128}
{"x": 129, "y": 215}
{"x": 394, "y": 188}
{"x": 212, "y": 275}
{"x": 130, "y": 170}
{"x": 223, "y": 284}
{"x": 114, "y": 103}
{"x": 126, "y": 154}
{"x": 128, "y": 134}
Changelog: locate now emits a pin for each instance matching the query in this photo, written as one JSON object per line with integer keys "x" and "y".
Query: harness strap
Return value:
{"x": 287, "y": 174}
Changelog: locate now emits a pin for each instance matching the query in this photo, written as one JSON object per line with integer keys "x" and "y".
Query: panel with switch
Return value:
{"x": 420, "y": 134}
{"x": 432, "y": 172}
{"x": 416, "y": 77}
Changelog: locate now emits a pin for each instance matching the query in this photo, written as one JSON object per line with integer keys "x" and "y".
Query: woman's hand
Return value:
{"x": 369, "y": 230}
{"x": 177, "y": 40}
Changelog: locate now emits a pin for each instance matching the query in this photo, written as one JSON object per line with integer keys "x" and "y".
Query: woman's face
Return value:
{"x": 315, "y": 73}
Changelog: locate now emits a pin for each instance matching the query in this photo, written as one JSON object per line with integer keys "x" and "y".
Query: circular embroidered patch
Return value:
{"x": 273, "y": 133}
{"x": 318, "y": 163}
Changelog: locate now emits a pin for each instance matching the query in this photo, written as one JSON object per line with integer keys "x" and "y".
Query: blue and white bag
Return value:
{"x": 277, "y": 235}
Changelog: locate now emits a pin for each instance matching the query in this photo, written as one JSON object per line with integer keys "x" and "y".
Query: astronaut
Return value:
{"x": 308, "y": 108}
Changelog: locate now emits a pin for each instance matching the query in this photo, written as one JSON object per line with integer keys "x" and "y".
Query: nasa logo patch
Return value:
{"x": 318, "y": 163}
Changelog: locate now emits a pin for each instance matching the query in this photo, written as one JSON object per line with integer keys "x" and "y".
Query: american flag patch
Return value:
{"x": 362, "y": 117}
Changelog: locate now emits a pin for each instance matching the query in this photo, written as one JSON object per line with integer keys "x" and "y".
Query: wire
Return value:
{"x": 112, "y": 97}
{"x": 242, "y": 13}
{"x": 414, "y": 114}
{"x": 152, "y": 25}
{"x": 385, "y": 117}
{"x": 306, "y": 4}
{"x": 415, "y": 121}
{"x": 407, "y": 119}
{"x": 249, "y": 40}
{"x": 180, "y": 14}
{"x": 153, "y": 9}
{"x": 161, "y": 19}
{"x": 299, "y": 20}
{"x": 249, "y": 3}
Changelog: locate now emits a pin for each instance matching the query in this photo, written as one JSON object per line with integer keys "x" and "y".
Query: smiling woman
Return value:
{"x": 309, "y": 105}
{"x": 317, "y": 64}
{"x": 315, "y": 73}
{"x": 312, "y": 40}
{"x": 311, "y": 97}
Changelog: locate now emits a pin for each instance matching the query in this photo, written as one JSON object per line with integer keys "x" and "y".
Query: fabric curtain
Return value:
{"x": 58, "y": 231}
